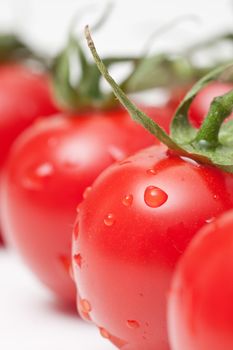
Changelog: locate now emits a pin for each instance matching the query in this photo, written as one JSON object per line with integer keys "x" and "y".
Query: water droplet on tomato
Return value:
{"x": 84, "y": 305}
{"x": 208, "y": 221}
{"x": 109, "y": 219}
{"x": 215, "y": 196}
{"x": 86, "y": 192}
{"x": 151, "y": 171}
{"x": 104, "y": 333}
{"x": 155, "y": 197}
{"x": 36, "y": 176}
{"x": 127, "y": 200}
{"x": 78, "y": 259}
{"x": 132, "y": 324}
{"x": 45, "y": 170}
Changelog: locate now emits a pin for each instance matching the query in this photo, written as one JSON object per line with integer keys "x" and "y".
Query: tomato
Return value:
{"x": 201, "y": 103}
{"x": 24, "y": 96}
{"x": 133, "y": 226}
{"x": 49, "y": 168}
{"x": 201, "y": 298}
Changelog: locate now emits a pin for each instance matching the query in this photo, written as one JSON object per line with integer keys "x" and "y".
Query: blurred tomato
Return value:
{"x": 50, "y": 169}
{"x": 24, "y": 96}
{"x": 201, "y": 103}
{"x": 201, "y": 297}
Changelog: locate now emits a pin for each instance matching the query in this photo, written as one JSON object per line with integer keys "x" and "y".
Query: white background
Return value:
{"x": 29, "y": 318}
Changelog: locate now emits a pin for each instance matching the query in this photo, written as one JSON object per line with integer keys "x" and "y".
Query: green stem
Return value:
{"x": 220, "y": 109}
{"x": 134, "y": 112}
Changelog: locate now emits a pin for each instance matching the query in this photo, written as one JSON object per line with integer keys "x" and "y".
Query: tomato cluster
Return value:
{"x": 132, "y": 214}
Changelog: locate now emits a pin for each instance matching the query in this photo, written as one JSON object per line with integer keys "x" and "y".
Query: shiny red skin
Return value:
{"x": 24, "y": 96}
{"x": 201, "y": 298}
{"x": 201, "y": 104}
{"x": 49, "y": 168}
{"x": 123, "y": 266}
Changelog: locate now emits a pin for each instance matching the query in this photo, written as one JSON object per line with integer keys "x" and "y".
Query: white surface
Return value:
{"x": 45, "y": 23}
{"x": 31, "y": 320}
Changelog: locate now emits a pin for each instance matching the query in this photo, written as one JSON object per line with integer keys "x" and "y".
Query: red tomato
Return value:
{"x": 201, "y": 103}
{"x": 201, "y": 298}
{"x": 131, "y": 229}
{"x": 49, "y": 168}
{"x": 24, "y": 96}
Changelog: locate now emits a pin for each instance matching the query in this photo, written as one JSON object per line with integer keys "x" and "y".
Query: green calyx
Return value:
{"x": 12, "y": 48}
{"x": 211, "y": 144}
{"x": 85, "y": 92}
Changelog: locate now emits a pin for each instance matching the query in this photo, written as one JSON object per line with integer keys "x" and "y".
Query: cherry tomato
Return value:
{"x": 50, "y": 169}
{"x": 24, "y": 96}
{"x": 201, "y": 298}
{"x": 200, "y": 105}
{"x": 133, "y": 226}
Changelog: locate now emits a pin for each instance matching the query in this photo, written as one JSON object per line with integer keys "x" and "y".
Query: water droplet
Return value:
{"x": 155, "y": 197}
{"x": 204, "y": 144}
{"x": 85, "y": 306}
{"x": 151, "y": 171}
{"x": 44, "y": 170}
{"x": 87, "y": 192}
{"x": 78, "y": 259}
{"x": 109, "y": 219}
{"x": 208, "y": 221}
{"x": 104, "y": 333}
{"x": 127, "y": 200}
{"x": 132, "y": 324}
{"x": 215, "y": 196}
{"x": 65, "y": 261}
{"x": 76, "y": 230}
{"x": 36, "y": 175}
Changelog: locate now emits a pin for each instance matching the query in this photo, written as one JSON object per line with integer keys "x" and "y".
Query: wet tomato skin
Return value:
{"x": 201, "y": 103}
{"x": 200, "y": 303}
{"x": 49, "y": 171}
{"x": 130, "y": 231}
